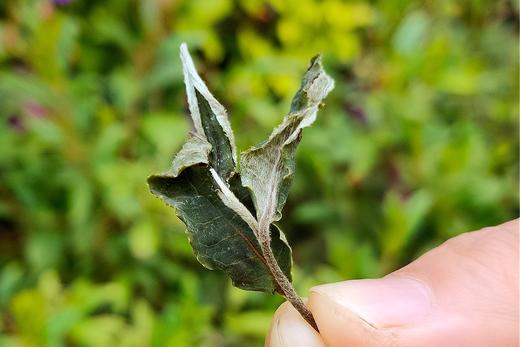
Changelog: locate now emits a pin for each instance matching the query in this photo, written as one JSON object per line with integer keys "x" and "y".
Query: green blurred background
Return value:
{"x": 417, "y": 143}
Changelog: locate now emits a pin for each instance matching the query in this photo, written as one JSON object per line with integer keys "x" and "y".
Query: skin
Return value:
{"x": 463, "y": 293}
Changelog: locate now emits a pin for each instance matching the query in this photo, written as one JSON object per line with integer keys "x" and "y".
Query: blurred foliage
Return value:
{"x": 417, "y": 143}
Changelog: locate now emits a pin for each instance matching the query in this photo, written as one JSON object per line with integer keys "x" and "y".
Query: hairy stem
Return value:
{"x": 285, "y": 285}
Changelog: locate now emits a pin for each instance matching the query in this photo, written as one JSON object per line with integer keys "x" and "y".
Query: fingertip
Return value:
{"x": 338, "y": 325}
{"x": 288, "y": 329}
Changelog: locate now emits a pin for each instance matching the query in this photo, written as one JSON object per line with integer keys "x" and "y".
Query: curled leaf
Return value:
{"x": 267, "y": 169}
{"x": 209, "y": 118}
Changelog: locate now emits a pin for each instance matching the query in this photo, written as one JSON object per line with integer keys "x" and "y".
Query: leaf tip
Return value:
{"x": 185, "y": 55}
{"x": 315, "y": 60}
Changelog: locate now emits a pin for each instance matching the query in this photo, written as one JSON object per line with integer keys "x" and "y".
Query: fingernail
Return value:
{"x": 382, "y": 303}
{"x": 289, "y": 329}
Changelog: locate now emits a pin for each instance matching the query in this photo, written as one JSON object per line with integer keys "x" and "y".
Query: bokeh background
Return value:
{"x": 417, "y": 143}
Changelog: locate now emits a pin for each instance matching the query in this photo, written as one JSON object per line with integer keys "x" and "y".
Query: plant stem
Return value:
{"x": 283, "y": 282}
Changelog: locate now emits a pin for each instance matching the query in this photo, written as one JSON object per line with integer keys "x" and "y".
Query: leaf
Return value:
{"x": 209, "y": 118}
{"x": 267, "y": 170}
{"x": 220, "y": 238}
{"x": 205, "y": 189}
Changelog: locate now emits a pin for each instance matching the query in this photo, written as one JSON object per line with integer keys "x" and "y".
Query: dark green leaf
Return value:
{"x": 220, "y": 238}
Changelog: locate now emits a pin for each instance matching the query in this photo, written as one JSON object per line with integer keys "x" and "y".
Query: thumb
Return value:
{"x": 462, "y": 293}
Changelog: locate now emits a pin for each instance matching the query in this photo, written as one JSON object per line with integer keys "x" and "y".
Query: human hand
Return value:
{"x": 462, "y": 293}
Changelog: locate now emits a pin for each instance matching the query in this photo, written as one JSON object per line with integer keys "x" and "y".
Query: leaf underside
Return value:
{"x": 267, "y": 170}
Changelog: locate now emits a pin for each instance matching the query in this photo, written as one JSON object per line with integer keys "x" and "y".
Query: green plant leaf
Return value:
{"x": 220, "y": 238}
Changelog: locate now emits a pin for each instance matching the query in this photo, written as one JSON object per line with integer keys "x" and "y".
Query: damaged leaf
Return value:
{"x": 229, "y": 213}
{"x": 267, "y": 170}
